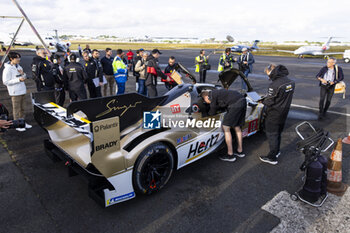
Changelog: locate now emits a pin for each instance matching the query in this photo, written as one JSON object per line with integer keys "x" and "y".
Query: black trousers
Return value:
{"x": 202, "y": 75}
{"x": 93, "y": 90}
{"x": 75, "y": 95}
{"x": 152, "y": 90}
{"x": 60, "y": 96}
{"x": 326, "y": 94}
{"x": 273, "y": 134}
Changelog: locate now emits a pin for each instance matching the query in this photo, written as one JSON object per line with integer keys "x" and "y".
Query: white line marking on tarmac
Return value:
{"x": 316, "y": 109}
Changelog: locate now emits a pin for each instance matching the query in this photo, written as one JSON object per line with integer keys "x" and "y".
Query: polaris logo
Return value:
{"x": 107, "y": 145}
{"x": 98, "y": 128}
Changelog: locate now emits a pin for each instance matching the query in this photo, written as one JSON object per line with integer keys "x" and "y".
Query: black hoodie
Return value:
{"x": 280, "y": 95}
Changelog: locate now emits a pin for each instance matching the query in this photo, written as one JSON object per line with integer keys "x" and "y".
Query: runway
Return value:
{"x": 207, "y": 196}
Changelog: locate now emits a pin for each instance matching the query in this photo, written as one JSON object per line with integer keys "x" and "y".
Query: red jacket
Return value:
{"x": 130, "y": 55}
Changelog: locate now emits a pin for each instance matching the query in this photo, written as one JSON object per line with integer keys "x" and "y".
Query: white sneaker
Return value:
{"x": 21, "y": 129}
{"x": 28, "y": 126}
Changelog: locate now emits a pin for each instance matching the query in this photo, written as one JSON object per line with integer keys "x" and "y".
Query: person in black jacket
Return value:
{"x": 170, "y": 68}
{"x": 328, "y": 76}
{"x": 94, "y": 70}
{"x": 74, "y": 77}
{"x": 57, "y": 72}
{"x": 235, "y": 106}
{"x": 153, "y": 71}
{"x": 106, "y": 63}
{"x": 277, "y": 102}
{"x": 42, "y": 72}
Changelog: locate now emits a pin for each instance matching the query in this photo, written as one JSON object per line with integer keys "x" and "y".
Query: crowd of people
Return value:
{"x": 110, "y": 75}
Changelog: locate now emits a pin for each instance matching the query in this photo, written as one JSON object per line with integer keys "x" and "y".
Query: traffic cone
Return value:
{"x": 346, "y": 140}
{"x": 334, "y": 171}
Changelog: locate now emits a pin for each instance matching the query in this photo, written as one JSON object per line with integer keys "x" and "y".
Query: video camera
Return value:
{"x": 20, "y": 123}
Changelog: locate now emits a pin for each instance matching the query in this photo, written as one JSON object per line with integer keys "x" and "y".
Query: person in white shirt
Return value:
{"x": 13, "y": 78}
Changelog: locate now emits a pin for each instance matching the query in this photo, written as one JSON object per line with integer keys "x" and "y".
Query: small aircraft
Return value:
{"x": 238, "y": 48}
{"x": 313, "y": 50}
{"x": 54, "y": 41}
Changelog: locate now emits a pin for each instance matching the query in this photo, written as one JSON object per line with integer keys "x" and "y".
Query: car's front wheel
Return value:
{"x": 153, "y": 168}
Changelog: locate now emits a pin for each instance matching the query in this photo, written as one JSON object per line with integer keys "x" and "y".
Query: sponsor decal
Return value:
{"x": 151, "y": 120}
{"x": 175, "y": 108}
{"x": 200, "y": 147}
{"x": 113, "y": 106}
{"x": 183, "y": 138}
{"x": 107, "y": 145}
{"x": 253, "y": 126}
{"x": 114, "y": 200}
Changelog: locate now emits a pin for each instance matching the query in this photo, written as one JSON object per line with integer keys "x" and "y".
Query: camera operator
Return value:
{"x": 328, "y": 76}
{"x": 226, "y": 60}
{"x": 14, "y": 77}
{"x": 42, "y": 73}
{"x": 245, "y": 63}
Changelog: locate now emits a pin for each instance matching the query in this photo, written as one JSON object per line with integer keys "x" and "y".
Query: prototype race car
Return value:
{"x": 130, "y": 143}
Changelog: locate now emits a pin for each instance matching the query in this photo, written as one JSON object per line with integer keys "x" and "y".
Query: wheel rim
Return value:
{"x": 156, "y": 171}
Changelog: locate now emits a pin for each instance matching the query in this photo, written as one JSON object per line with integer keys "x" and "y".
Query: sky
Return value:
{"x": 268, "y": 20}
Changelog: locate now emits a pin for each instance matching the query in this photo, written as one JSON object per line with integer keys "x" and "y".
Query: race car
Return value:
{"x": 130, "y": 143}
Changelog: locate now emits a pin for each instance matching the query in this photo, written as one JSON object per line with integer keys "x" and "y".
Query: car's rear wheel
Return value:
{"x": 153, "y": 168}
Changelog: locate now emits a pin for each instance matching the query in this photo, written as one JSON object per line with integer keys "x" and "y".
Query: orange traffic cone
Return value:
{"x": 346, "y": 140}
{"x": 334, "y": 171}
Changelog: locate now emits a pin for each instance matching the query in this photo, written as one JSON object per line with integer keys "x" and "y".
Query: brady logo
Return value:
{"x": 107, "y": 145}
{"x": 151, "y": 120}
{"x": 114, "y": 200}
{"x": 199, "y": 147}
{"x": 175, "y": 108}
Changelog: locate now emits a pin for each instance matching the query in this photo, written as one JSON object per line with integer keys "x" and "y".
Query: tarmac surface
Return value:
{"x": 207, "y": 196}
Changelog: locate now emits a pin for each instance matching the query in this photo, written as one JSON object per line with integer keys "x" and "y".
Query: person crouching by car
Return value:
{"x": 140, "y": 68}
{"x": 277, "y": 102}
{"x": 13, "y": 78}
{"x": 236, "y": 106}
{"x": 171, "y": 67}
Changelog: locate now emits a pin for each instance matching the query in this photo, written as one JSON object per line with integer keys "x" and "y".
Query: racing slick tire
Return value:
{"x": 153, "y": 168}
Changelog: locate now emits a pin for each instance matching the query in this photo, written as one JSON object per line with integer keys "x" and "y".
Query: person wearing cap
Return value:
{"x": 235, "y": 105}
{"x": 277, "y": 103}
{"x": 57, "y": 71}
{"x": 153, "y": 71}
{"x": 226, "y": 60}
{"x": 245, "y": 64}
{"x": 120, "y": 71}
{"x": 74, "y": 77}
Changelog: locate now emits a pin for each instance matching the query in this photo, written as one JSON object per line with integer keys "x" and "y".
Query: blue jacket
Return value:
{"x": 339, "y": 76}
{"x": 250, "y": 60}
{"x": 120, "y": 70}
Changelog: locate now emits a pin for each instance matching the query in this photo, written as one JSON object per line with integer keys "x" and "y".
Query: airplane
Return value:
{"x": 238, "y": 48}
{"x": 54, "y": 41}
{"x": 313, "y": 50}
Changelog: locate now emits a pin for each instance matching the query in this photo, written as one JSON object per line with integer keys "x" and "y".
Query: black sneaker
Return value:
{"x": 239, "y": 154}
{"x": 267, "y": 159}
{"x": 228, "y": 158}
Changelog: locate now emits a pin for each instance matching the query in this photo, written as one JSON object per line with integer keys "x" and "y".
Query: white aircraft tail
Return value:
{"x": 326, "y": 46}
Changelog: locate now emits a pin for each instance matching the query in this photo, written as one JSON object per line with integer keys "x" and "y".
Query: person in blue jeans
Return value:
{"x": 141, "y": 68}
{"x": 120, "y": 71}
{"x": 245, "y": 63}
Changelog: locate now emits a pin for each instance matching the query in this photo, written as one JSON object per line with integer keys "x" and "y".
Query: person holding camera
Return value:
{"x": 226, "y": 60}
{"x": 5, "y": 124}
{"x": 328, "y": 76}
{"x": 202, "y": 65}
{"x": 13, "y": 78}
{"x": 245, "y": 63}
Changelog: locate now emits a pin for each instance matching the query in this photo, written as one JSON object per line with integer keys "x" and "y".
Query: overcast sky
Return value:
{"x": 268, "y": 20}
